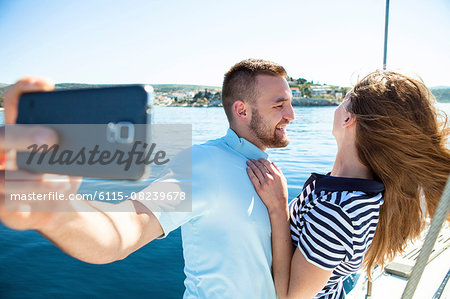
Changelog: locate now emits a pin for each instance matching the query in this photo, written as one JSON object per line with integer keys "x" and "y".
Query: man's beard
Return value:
{"x": 268, "y": 136}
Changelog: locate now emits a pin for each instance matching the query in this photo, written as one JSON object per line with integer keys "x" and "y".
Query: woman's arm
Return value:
{"x": 294, "y": 276}
{"x": 281, "y": 251}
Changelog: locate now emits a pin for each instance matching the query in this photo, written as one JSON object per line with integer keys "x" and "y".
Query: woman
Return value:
{"x": 391, "y": 154}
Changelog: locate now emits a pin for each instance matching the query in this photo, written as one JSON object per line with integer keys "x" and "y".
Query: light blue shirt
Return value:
{"x": 227, "y": 236}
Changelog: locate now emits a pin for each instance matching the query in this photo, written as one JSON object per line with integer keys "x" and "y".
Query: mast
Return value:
{"x": 386, "y": 23}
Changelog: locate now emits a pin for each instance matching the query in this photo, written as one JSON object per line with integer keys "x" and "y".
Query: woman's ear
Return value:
{"x": 240, "y": 110}
{"x": 349, "y": 120}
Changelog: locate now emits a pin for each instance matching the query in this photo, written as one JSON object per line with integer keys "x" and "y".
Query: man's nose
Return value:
{"x": 289, "y": 113}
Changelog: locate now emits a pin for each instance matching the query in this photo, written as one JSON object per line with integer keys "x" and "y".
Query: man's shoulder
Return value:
{"x": 210, "y": 148}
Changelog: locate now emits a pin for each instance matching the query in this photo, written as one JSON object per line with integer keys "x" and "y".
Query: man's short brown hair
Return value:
{"x": 239, "y": 83}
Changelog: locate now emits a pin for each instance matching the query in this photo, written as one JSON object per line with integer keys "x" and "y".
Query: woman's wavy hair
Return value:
{"x": 401, "y": 137}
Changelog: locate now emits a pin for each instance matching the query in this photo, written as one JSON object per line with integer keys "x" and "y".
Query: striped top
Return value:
{"x": 333, "y": 222}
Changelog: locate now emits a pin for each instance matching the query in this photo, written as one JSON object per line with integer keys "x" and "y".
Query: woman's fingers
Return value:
{"x": 274, "y": 170}
{"x": 262, "y": 167}
{"x": 274, "y": 166}
{"x": 253, "y": 178}
{"x": 260, "y": 174}
{"x": 269, "y": 166}
{"x": 269, "y": 183}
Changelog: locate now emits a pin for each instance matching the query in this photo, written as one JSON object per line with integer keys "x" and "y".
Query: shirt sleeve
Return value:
{"x": 189, "y": 176}
{"x": 326, "y": 237}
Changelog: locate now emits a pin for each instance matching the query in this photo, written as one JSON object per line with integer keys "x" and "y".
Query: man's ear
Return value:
{"x": 349, "y": 120}
{"x": 240, "y": 110}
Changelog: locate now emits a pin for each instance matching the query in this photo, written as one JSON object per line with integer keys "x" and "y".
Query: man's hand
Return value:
{"x": 22, "y": 214}
{"x": 12, "y": 95}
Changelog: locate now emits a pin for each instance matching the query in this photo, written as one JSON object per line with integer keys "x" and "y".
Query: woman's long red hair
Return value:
{"x": 401, "y": 137}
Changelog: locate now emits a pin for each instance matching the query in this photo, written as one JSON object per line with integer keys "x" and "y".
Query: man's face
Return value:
{"x": 272, "y": 111}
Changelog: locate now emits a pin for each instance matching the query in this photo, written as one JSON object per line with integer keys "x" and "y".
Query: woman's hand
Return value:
{"x": 270, "y": 184}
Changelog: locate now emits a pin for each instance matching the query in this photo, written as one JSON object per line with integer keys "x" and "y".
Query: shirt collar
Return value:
{"x": 244, "y": 147}
{"x": 333, "y": 183}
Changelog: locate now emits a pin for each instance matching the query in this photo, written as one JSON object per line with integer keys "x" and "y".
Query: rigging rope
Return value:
{"x": 439, "y": 218}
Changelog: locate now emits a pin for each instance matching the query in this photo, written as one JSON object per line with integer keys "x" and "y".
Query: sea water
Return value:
{"x": 32, "y": 267}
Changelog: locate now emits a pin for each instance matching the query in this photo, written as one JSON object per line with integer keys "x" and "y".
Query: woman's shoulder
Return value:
{"x": 344, "y": 197}
{"x": 349, "y": 204}
{"x": 323, "y": 202}
{"x": 343, "y": 191}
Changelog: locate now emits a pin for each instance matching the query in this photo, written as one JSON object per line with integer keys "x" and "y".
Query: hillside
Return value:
{"x": 176, "y": 87}
{"x": 442, "y": 93}
{"x": 157, "y": 87}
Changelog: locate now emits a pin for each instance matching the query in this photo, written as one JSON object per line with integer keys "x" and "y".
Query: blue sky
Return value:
{"x": 195, "y": 42}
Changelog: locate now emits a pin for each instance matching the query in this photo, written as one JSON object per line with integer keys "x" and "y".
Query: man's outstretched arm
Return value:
{"x": 93, "y": 232}
{"x": 102, "y": 235}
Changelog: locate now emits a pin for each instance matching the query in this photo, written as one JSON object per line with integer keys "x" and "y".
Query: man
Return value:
{"x": 226, "y": 236}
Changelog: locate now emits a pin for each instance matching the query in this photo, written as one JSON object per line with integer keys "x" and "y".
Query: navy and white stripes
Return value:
{"x": 333, "y": 222}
